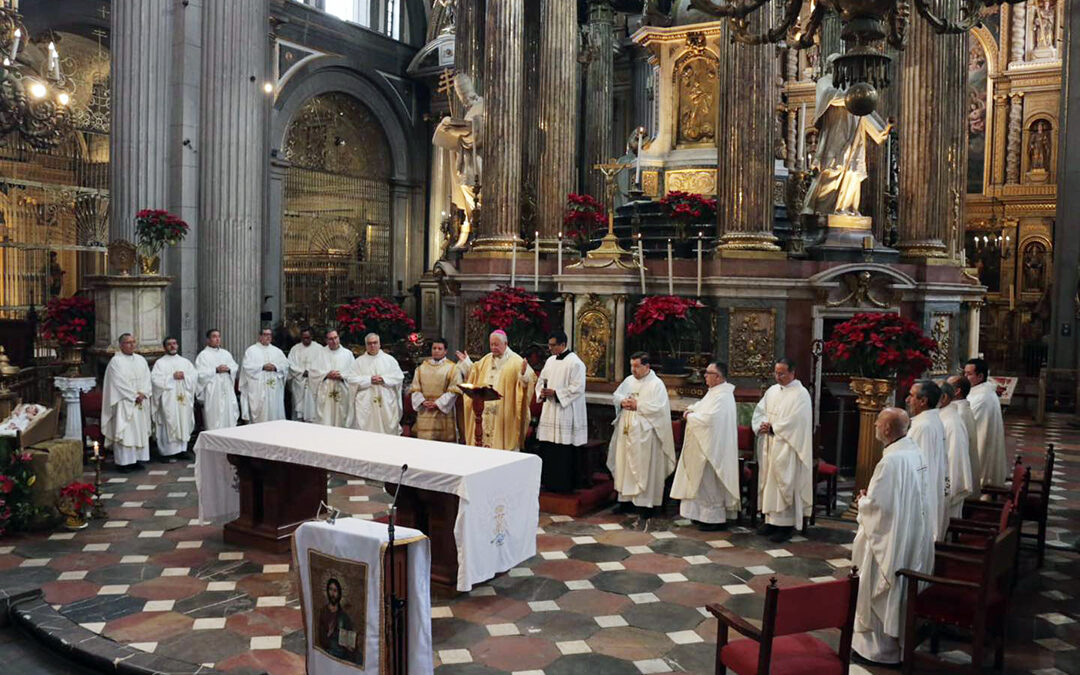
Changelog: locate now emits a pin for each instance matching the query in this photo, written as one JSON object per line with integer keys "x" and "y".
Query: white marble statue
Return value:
{"x": 462, "y": 135}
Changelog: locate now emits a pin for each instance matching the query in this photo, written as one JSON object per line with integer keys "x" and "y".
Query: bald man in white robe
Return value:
{"x": 929, "y": 434}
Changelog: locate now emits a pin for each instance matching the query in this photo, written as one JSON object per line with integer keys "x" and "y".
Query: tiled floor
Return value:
{"x": 606, "y": 594}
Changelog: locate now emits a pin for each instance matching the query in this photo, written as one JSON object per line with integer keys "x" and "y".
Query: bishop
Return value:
{"x": 506, "y": 420}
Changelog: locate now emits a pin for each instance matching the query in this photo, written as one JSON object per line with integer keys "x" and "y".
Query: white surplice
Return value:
{"x": 785, "y": 493}
{"x": 301, "y": 359}
{"x": 963, "y": 406}
{"x": 262, "y": 392}
{"x": 217, "y": 391}
{"x": 563, "y": 419}
{"x": 894, "y": 533}
{"x": 929, "y": 434}
{"x": 124, "y": 423}
{"x": 333, "y": 398}
{"x": 376, "y": 407}
{"x": 641, "y": 454}
{"x": 707, "y": 478}
{"x": 174, "y": 403}
{"x": 961, "y": 480}
{"x": 990, "y": 433}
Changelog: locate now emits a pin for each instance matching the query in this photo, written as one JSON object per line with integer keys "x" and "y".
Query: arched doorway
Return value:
{"x": 336, "y": 220}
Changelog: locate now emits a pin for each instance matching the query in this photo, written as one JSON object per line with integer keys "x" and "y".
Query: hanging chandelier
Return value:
{"x": 34, "y": 96}
{"x": 863, "y": 68}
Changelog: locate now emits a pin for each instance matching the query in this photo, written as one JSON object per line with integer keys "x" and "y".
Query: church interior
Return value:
{"x": 617, "y": 322}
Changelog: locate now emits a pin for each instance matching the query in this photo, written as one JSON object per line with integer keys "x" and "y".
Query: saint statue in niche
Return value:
{"x": 697, "y": 93}
{"x": 1039, "y": 146}
{"x": 1034, "y": 267}
{"x": 462, "y": 135}
{"x": 1043, "y": 23}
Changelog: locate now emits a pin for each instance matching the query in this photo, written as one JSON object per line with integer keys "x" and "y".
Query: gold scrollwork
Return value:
{"x": 751, "y": 341}
{"x": 698, "y": 181}
{"x": 595, "y": 345}
{"x": 650, "y": 183}
{"x": 475, "y": 331}
{"x": 941, "y": 332}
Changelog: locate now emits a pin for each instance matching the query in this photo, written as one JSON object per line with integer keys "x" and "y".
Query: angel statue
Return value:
{"x": 461, "y": 136}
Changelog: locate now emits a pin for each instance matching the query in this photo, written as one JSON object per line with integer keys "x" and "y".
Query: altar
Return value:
{"x": 481, "y": 506}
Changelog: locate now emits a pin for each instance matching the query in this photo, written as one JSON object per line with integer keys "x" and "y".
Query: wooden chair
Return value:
{"x": 90, "y": 409}
{"x": 748, "y": 474}
{"x": 1037, "y": 504}
{"x": 828, "y": 474}
{"x": 987, "y": 508}
{"x": 967, "y": 591}
{"x": 782, "y": 645}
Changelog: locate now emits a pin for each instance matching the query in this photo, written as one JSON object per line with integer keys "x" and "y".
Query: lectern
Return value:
{"x": 480, "y": 396}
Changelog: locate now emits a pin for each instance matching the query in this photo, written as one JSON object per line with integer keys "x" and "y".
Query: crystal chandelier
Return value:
{"x": 34, "y": 104}
{"x": 865, "y": 24}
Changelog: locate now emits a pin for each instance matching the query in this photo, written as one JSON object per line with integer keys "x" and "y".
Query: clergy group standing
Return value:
{"x": 989, "y": 425}
{"x": 434, "y": 392}
{"x": 331, "y": 394}
{"x": 217, "y": 383}
{"x": 505, "y": 421}
{"x": 125, "y": 406}
{"x": 175, "y": 382}
{"x": 928, "y": 433}
{"x": 302, "y": 357}
{"x": 563, "y": 427}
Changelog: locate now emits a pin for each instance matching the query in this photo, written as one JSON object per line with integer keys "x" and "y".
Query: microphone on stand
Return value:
{"x": 396, "y": 636}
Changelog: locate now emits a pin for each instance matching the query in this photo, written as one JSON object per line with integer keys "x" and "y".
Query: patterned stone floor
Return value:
{"x": 606, "y": 594}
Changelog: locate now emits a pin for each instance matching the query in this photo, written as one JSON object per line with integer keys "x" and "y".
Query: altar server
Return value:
{"x": 641, "y": 454}
{"x": 326, "y": 383}
{"x": 989, "y": 426}
{"x": 434, "y": 393}
{"x": 175, "y": 380}
{"x": 376, "y": 379}
{"x": 961, "y": 480}
{"x": 783, "y": 421}
{"x": 707, "y": 478}
{"x": 563, "y": 427}
{"x": 929, "y": 434}
{"x": 262, "y": 381}
{"x": 217, "y": 383}
{"x": 302, "y": 357}
{"x": 506, "y": 420}
{"x": 894, "y": 534}
{"x": 125, "y": 406}
{"x": 963, "y": 406}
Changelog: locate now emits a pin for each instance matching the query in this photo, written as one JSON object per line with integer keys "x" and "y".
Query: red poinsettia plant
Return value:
{"x": 79, "y": 496}
{"x": 660, "y": 320}
{"x": 69, "y": 321}
{"x": 154, "y": 228}
{"x": 881, "y": 346}
{"x": 689, "y": 207}
{"x": 516, "y": 311}
{"x": 583, "y": 216}
{"x": 361, "y": 316}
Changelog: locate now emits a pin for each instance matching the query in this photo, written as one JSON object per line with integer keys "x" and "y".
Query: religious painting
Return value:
{"x": 976, "y": 114}
{"x": 696, "y": 89}
{"x": 338, "y": 595}
{"x": 594, "y": 340}
{"x": 751, "y": 341}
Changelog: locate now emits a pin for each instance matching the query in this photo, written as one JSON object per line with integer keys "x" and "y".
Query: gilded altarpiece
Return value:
{"x": 696, "y": 87}
{"x": 751, "y": 341}
{"x": 941, "y": 332}
{"x": 594, "y": 340}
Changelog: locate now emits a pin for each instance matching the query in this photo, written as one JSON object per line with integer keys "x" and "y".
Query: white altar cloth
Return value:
{"x": 498, "y": 491}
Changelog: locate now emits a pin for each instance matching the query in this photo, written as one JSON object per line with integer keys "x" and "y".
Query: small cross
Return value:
{"x": 103, "y": 11}
{"x": 446, "y": 86}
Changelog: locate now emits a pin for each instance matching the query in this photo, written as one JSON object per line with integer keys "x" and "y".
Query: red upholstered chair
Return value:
{"x": 748, "y": 473}
{"x": 408, "y": 415}
{"x": 988, "y": 507}
{"x": 678, "y": 431}
{"x": 535, "y": 409}
{"x": 783, "y": 646}
{"x": 90, "y": 407}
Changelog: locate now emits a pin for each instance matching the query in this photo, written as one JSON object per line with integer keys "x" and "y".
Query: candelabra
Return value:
{"x": 34, "y": 93}
{"x": 97, "y": 511}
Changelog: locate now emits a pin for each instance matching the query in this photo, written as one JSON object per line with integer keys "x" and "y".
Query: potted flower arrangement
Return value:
{"x": 517, "y": 312}
{"x": 17, "y": 477}
{"x": 75, "y": 500}
{"x": 361, "y": 316}
{"x": 659, "y": 321}
{"x": 154, "y": 229}
{"x": 583, "y": 216}
{"x": 688, "y": 208}
{"x": 69, "y": 322}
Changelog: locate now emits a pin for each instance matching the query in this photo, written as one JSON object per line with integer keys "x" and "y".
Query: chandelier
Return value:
{"x": 34, "y": 96}
{"x": 863, "y": 68}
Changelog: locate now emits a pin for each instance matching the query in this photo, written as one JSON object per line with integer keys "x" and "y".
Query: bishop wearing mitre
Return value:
{"x": 175, "y": 380}
{"x": 326, "y": 378}
{"x": 262, "y": 381}
{"x": 434, "y": 394}
{"x": 125, "y": 406}
{"x": 302, "y": 357}
{"x": 217, "y": 383}
{"x": 641, "y": 454}
{"x": 376, "y": 378}
{"x": 505, "y": 420}
{"x": 707, "y": 478}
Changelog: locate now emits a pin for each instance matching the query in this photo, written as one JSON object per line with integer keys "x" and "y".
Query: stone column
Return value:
{"x": 568, "y": 318}
{"x": 500, "y": 219}
{"x": 1001, "y": 115}
{"x": 558, "y": 114}
{"x": 599, "y": 85}
{"x": 1014, "y": 137}
{"x": 469, "y": 40}
{"x": 139, "y": 128}
{"x": 1018, "y": 24}
{"x": 232, "y": 159}
{"x": 530, "y": 115}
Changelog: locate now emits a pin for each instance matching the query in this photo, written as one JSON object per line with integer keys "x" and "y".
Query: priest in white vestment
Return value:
{"x": 929, "y": 434}
{"x": 894, "y": 534}
{"x": 175, "y": 380}
{"x": 302, "y": 357}
{"x": 262, "y": 381}
{"x": 961, "y": 480}
{"x": 784, "y": 423}
{"x": 217, "y": 383}
{"x": 641, "y": 454}
{"x": 376, "y": 378}
{"x": 326, "y": 378}
{"x": 125, "y": 406}
{"x": 563, "y": 426}
{"x": 963, "y": 408}
{"x": 505, "y": 421}
{"x": 989, "y": 425}
{"x": 707, "y": 478}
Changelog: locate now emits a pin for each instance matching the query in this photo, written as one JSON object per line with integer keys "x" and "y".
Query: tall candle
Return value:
{"x": 641, "y": 263}
{"x": 15, "y": 45}
{"x": 513, "y": 264}
{"x": 559, "y": 270}
{"x": 536, "y": 262}
{"x": 670, "y": 271}
{"x": 637, "y": 160}
{"x": 699, "y": 265}
{"x": 96, "y": 451}
{"x": 802, "y": 136}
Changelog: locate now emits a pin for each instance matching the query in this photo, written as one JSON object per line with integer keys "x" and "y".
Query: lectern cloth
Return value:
{"x": 352, "y": 539}
{"x": 499, "y": 492}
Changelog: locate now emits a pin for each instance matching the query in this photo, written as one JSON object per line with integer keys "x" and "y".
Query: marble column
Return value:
{"x": 71, "y": 389}
{"x": 1018, "y": 25}
{"x": 232, "y": 162}
{"x": 530, "y": 115}
{"x": 599, "y": 88}
{"x": 745, "y": 163}
{"x": 558, "y": 114}
{"x": 469, "y": 40}
{"x": 1014, "y": 136}
{"x": 139, "y": 128}
{"x": 1001, "y": 117}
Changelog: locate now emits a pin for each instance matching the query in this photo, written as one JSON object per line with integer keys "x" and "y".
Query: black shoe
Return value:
{"x": 712, "y": 527}
{"x": 766, "y": 529}
{"x": 648, "y": 512}
{"x": 624, "y": 507}
{"x": 138, "y": 466}
{"x": 126, "y": 468}
{"x": 187, "y": 454}
{"x": 782, "y": 534}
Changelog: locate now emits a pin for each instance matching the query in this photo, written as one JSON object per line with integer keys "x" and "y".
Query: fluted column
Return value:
{"x": 231, "y": 166}
{"x": 500, "y": 219}
{"x": 530, "y": 115}
{"x": 558, "y": 111}
{"x": 469, "y": 40}
{"x": 599, "y": 87}
{"x": 745, "y": 143}
{"x": 139, "y": 128}
{"x": 1014, "y": 136}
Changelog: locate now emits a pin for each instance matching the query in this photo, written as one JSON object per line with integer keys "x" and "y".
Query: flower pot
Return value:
{"x": 150, "y": 265}
{"x": 75, "y": 522}
{"x": 872, "y": 396}
{"x": 672, "y": 382}
{"x": 72, "y": 357}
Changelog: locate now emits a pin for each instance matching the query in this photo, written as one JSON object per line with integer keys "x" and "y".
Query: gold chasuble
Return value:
{"x": 507, "y": 420}
{"x": 436, "y": 382}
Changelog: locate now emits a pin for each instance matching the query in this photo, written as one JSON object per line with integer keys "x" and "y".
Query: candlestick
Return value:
{"x": 559, "y": 260}
{"x": 536, "y": 262}
{"x": 97, "y": 510}
{"x": 670, "y": 271}
{"x": 699, "y": 265}
{"x": 641, "y": 263}
{"x": 802, "y": 135}
{"x": 637, "y": 160}
{"x": 15, "y": 45}
{"x": 97, "y": 453}
{"x": 513, "y": 264}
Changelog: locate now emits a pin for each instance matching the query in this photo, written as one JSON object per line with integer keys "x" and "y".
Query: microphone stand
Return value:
{"x": 396, "y": 604}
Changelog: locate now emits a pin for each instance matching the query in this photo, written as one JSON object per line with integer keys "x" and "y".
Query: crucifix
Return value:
{"x": 446, "y": 86}
{"x": 609, "y": 252}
